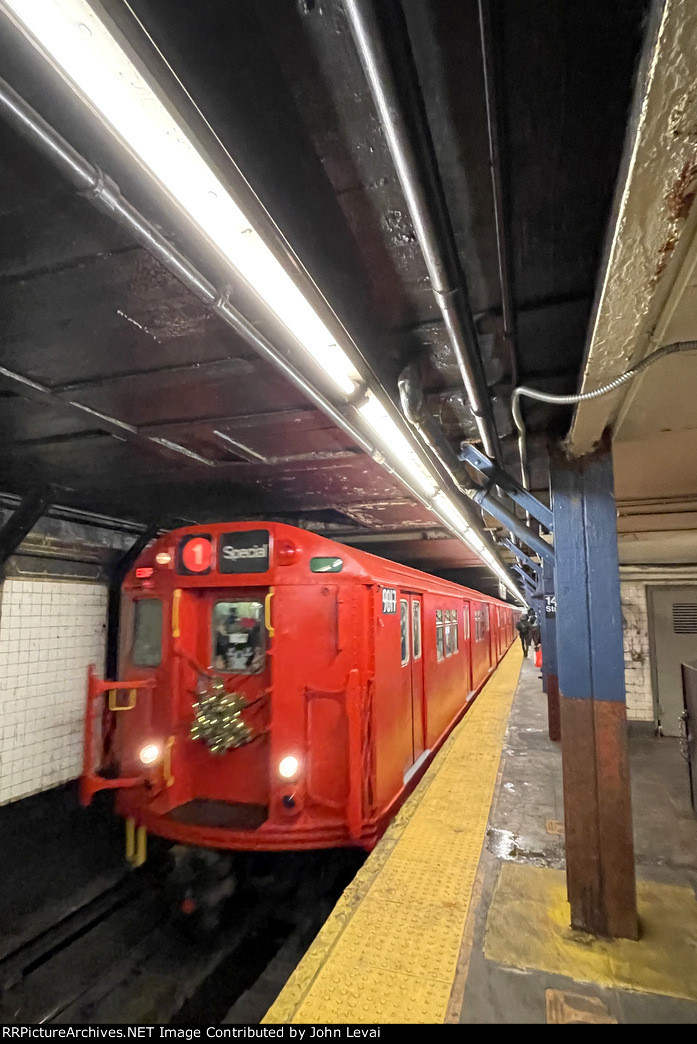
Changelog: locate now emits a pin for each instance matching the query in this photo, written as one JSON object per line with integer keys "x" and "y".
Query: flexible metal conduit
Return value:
{"x": 105, "y": 195}
{"x": 595, "y": 393}
{"x": 434, "y": 236}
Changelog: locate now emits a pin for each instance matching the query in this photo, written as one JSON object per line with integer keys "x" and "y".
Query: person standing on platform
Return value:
{"x": 535, "y": 637}
{"x": 523, "y": 626}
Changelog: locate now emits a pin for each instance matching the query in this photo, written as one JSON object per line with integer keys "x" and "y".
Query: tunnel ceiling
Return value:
{"x": 91, "y": 317}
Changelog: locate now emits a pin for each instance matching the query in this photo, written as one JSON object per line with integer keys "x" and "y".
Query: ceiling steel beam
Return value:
{"x": 20, "y": 523}
{"x": 35, "y": 392}
{"x": 107, "y": 380}
{"x": 244, "y": 420}
{"x": 525, "y": 559}
{"x": 499, "y": 477}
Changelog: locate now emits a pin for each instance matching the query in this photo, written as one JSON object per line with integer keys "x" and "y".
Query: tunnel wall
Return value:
{"x": 50, "y": 630}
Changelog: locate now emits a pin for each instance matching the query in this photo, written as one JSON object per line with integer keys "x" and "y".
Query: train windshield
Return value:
{"x": 239, "y": 637}
{"x": 147, "y": 633}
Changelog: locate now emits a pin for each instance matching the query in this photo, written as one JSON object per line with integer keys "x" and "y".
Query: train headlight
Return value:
{"x": 149, "y": 753}
{"x": 288, "y": 767}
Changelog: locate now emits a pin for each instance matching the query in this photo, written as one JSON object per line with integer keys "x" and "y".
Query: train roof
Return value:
{"x": 291, "y": 550}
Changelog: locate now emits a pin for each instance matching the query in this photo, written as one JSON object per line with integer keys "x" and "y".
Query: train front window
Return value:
{"x": 147, "y": 633}
{"x": 239, "y": 637}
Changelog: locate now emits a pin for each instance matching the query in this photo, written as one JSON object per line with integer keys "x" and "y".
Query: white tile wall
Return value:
{"x": 637, "y": 656}
{"x": 49, "y": 632}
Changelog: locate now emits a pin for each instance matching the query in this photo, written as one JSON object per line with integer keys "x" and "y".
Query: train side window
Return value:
{"x": 456, "y": 639}
{"x": 466, "y": 623}
{"x": 147, "y": 633}
{"x": 440, "y": 647}
{"x": 239, "y": 637}
{"x": 448, "y": 633}
{"x": 404, "y": 629}
{"x": 416, "y": 629}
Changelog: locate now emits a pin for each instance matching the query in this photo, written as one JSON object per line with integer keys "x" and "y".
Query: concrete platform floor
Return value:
{"x": 526, "y": 828}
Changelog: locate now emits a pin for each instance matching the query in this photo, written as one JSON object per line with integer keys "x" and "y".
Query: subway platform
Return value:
{"x": 460, "y": 913}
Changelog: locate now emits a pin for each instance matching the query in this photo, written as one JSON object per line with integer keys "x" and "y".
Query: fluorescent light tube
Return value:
{"x": 395, "y": 445}
{"x": 84, "y": 51}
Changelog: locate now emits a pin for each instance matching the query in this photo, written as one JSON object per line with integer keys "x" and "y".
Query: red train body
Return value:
{"x": 279, "y": 691}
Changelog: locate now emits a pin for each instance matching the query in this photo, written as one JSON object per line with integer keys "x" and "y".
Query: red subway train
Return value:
{"x": 279, "y": 691}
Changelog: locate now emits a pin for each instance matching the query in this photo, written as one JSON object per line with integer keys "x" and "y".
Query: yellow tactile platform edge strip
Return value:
{"x": 389, "y": 950}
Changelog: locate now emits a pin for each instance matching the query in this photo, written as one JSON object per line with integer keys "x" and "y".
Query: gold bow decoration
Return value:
{"x": 218, "y": 720}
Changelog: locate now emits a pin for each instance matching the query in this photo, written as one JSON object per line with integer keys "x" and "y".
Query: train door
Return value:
{"x": 489, "y": 623}
{"x": 411, "y": 638}
{"x": 232, "y": 643}
{"x": 466, "y": 646}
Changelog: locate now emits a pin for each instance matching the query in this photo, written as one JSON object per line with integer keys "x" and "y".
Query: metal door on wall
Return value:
{"x": 673, "y": 625}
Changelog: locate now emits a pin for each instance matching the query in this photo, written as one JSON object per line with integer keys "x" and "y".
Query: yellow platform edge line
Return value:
{"x": 473, "y": 751}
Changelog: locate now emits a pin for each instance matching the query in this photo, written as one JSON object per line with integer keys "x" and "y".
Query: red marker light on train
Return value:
{"x": 286, "y": 552}
{"x": 196, "y": 555}
{"x": 143, "y": 572}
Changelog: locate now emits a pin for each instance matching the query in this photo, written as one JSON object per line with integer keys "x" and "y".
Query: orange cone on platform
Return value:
{"x": 538, "y": 656}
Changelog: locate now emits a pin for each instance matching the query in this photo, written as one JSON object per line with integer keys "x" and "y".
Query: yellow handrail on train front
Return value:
{"x": 176, "y": 630}
{"x": 136, "y": 843}
{"x": 267, "y": 613}
{"x": 114, "y": 706}
{"x": 167, "y": 762}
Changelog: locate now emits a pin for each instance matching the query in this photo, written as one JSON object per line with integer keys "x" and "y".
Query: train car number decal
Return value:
{"x": 244, "y": 552}
{"x": 389, "y": 600}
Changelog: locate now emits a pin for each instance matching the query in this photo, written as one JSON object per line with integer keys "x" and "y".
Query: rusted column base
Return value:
{"x": 598, "y": 818}
{"x": 553, "y": 712}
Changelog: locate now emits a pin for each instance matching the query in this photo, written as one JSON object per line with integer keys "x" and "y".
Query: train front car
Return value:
{"x": 236, "y": 722}
{"x": 278, "y": 692}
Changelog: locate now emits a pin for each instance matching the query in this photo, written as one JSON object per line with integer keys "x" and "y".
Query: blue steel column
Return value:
{"x": 597, "y": 805}
{"x": 550, "y": 671}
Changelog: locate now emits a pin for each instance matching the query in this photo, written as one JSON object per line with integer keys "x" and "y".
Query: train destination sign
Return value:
{"x": 246, "y": 551}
